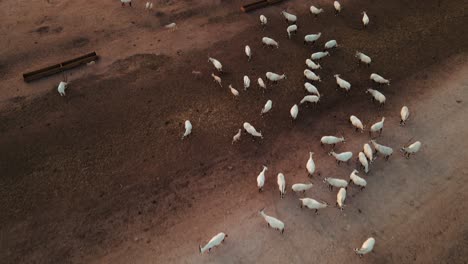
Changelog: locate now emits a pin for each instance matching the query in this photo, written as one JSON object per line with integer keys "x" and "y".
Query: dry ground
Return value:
{"x": 101, "y": 175}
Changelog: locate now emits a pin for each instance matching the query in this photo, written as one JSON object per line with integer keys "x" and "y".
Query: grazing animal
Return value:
{"x": 310, "y": 75}
{"x": 337, "y": 7}
{"x": 377, "y": 96}
{"x": 310, "y": 165}
{"x": 311, "y": 99}
{"x": 368, "y": 152}
{"x": 315, "y": 11}
{"x": 340, "y": 198}
{"x": 301, "y": 187}
{"x": 270, "y": 42}
{"x": 217, "y": 79}
{"x": 363, "y": 58}
{"x": 411, "y": 149}
{"x": 312, "y": 204}
{"x": 363, "y": 160}
{"x": 341, "y": 157}
{"x": 365, "y": 19}
{"x": 379, "y": 79}
{"x": 294, "y": 111}
{"x": 188, "y": 129}
{"x": 216, "y": 64}
{"x": 237, "y": 136}
{"x": 312, "y": 65}
{"x": 311, "y": 38}
{"x": 263, "y": 21}
{"x": 331, "y": 44}
{"x": 331, "y": 140}
{"x": 404, "y": 114}
{"x": 290, "y": 18}
{"x": 252, "y": 131}
{"x": 274, "y": 77}
{"x": 366, "y": 247}
{"x": 356, "y": 123}
{"x": 319, "y": 55}
{"x": 311, "y": 89}
{"x": 334, "y": 182}
{"x": 261, "y": 83}
{"x": 291, "y": 29}
{"x": 248, "y": 52}
{"x": 353, "y": 177}
{"x": 233, "y": 90}
{"x": 172, "y": 26}
{"x": 377, "y": 127}
{"x": 215, "y": 241}
{"x": 261, "y": 179}
{"x": 272, "y": 221}
{"x": 267, "y": 107}
{"x": 341, "y": 83}
{"x": 384, "y": 150}
{"x": 281, "y": 184}
{"x": 61, "y": 88}
{"x": 246, "y": 82}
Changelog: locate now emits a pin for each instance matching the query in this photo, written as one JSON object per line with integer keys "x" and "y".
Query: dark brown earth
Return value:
{"x": 101, "y": 175}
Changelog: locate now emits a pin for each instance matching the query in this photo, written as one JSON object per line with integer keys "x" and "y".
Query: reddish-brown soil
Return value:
{"x": 101, "y": 175}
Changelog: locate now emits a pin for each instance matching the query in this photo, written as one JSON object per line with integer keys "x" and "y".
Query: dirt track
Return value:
{"x": 101, "y": 176}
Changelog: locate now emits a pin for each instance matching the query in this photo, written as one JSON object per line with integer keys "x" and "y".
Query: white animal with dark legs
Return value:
{"x": 312, "y": 204}
{"x": 215, "y": 241}
{"x": 272, "y": 221}
{"x": 274, "y": 77}
{"x": 263, "y": 20}
{"x": 377, "y": 96}
{"x": 310, "y": 75}
{"x": 248, "y": 52}
{"x": 61, "y": 88}
{"x": 267, "y": 107}
{"x": 270, "y": 42}
{"x": 342, "y": 83}
{"x": 233, "y": 90}
{"x": 331, "y": 44}
{"x": 319, "y": 55}
{"x": 252, "y": 131}
{"x": 261, "y": 83}
{"x": 358, "y": 181}
{"x": 334, "y": 182}
{"x": 368, "y": 152}
{"x": 381, "y": 149}
{"x": 246, "y": 82}
{"x": 301, "y": 187}
{"x": 217, "y": 79}
{"x": 377, "y": 127}
{"x": 331, "y": 140}
{"x": 411, "y": 149}
{"x": 404, "y": 115}
{"x": 216, "y": 64}
{"x": 363, "y": 160}
{"x": 379, "y": 79}
{"x": 237, "y": 136}
{"x": 337, "y": 7}
{"x": 289, "y": 17}
{"x": 356, "y": 123}
{"x": 188, "y": 129}
{"x": 311, "y": 89}
{"x": 294, "y": 111}
{"x": 311, "y": 38}
{"x": 340, "y": 198}
{"x": 363, "y": 58}
{"x": 291, "y": 29}
{"x": 312, "y": 65}
{"x": 281, "y": 184}
{"x": 261, "y": 178}
{"x": 310, "y": 99}
{"x": 341, "y": 157}
{"x": 310, "y": 165}
{"x": 315, "y": 11}
{"x": 366, "y": 247}
{"x": 365, "y": 19}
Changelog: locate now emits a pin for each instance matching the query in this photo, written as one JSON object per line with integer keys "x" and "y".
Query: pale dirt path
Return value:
{"x": 414, "y": 208}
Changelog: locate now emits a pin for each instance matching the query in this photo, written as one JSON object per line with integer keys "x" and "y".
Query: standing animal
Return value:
{"x": 188, "y": 129}
{"x": 272, "y": 221}
{"x": 310, "y": 165}
{"x": 311, "y": 89}
{"x": 172, "y": 26}
{"x": 290, "y": 18}
{"x": 263, "y": 21}
{"x": 341, "y": 83}
{"x": 315, "y": 11}
{"x": 331, "y": 140}
{"x": 216, "y": 64}
{"x": 274, "y": 77}
{"x": 384, "y": 150}
{"x": 252, "y": 131}
{"x": 340, "y": 198}
{"x": 237, "y": 136}
{"x": 261, "y": 83}
{"x": 365, "y": 19}
{"x": 310, "y": 75}
{"x": 377, "y": 96}
{"x": 330, "y": 44}
{"x": 311, "y": 99}
{"x": 281, "y": 184}
{"x": 217, "y": 79}
{"x": 363, "y": 160}
{"x": 334, "y": 182}
{"x": 294, "y": 111}
{"x": 311, "y": 38}
{"x": 61, "y": 88}
{"x": 379, "y": 79}
{"x": 363, "y": 58}
{"x": 353, "y": 177}
{"x": 337, "y": 7}
{"x": 356, "y": 123}
{"x": 404, "y": 114}
{"x": 267, "y": 107}
{"x": 366, "y": 247}
{"x": 233, "y": 90}
{"x": 312, "y": 65}
{"x": 261, "y": 179}
{"x": 411, "y": 149}
{"x": 368, "y": 152}
{"x": 246, "y": 82}
{"x": 248, "y": 52}
{"x": 129, "y": 2}
{"x": 270, "y": 42}
{"x": 341, "y": 157}
{"x": 149, "y": 5}
{"x": 377, "y": 127}
{"x": 312, "y": 204}
{"x": 215, "y": 241}
{"x": 301, "y": 187}
{"x": 291, "y": 29}
{"x": 319, "y": 55}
